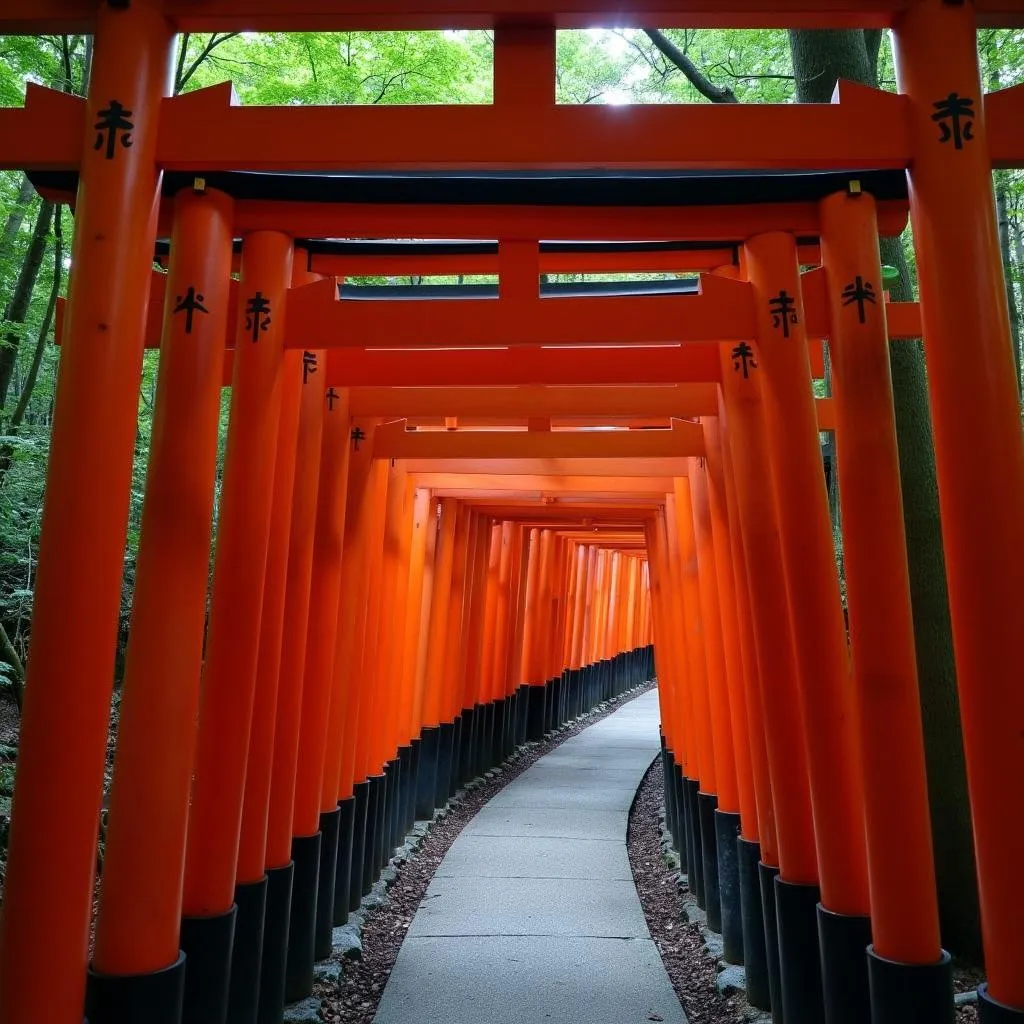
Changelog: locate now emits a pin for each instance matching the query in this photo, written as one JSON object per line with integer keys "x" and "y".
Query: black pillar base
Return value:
{"x": 427, "y": 782}
{"x": 509, "y": 746}
{"x": 486, "y": 737}
{"x": 156, "y": 998}
{"x": 706, "y": 805}
{"x": 796, "y": 907}
{"x": 327, "y": 876}
{"x": 412, "y": 788}
{"x": 695, "y": 858}
{"x": 679, "y": 797}
{"x": 207, "y": 943}
{"x": 404, "y": 780}
{"x": 522, "y": 714}
{"x": 445, "y": 751}
{"x": 992, "y": 1012}
{"x": 343, "y": 864}
{"x": 755, "y": 955}
{"x": 368, "y": 867}
{"x": 275, "y": 944}
{"x": 298, "y": 981}
{"x": 247, "y": 954}
{"x": 378, "y": 861}
{"x": 361, "y": 799}
{"x": 467, "y": 748}
{"x": 454, "y": 780}
{"x": 498, "y": 721}
{"x": 909, "y": 992}
{"x": 844, "y": 940}
{"x": 393, "y": 771}
{"x": 727, "y": 832}
{"x": 767, "y": 874}
{"x": 535, "y": 714}
{"x": 550, "y": 703}
{"x": 668, "y": 766}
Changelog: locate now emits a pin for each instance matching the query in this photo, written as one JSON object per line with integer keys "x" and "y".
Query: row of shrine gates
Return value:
{"x": 128, "y": 133}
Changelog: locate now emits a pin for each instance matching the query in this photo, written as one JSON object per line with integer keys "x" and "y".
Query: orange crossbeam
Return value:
{"x": 59, "y": 16}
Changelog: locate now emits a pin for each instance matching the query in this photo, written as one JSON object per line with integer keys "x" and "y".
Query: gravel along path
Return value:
{"x": 691, "y": 955}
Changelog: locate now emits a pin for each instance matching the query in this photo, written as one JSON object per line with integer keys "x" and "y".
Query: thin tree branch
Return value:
{"x": 696, "y": 78}
{"x": 212, "y": 43}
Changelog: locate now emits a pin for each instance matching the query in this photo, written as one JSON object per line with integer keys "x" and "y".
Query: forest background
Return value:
{"x": 593, "y": 66}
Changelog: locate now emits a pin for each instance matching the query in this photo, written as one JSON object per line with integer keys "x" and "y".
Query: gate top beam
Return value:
{"x": 48, "y": 16}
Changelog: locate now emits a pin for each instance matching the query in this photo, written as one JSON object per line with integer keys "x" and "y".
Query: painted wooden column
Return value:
{"x": 901, "y": 865}
{"x": 757, "y": 840}
{"x": 819, "y": 635}
{"x": 232, "y": 646}
{"x": 979, "y": 453}
{"x": 140, "y": 897}
{"x": 311, "y": 483}
{"x": 52, "y": 852}
{"x": 252, "y": 880}
{"x": 792, "y": 978}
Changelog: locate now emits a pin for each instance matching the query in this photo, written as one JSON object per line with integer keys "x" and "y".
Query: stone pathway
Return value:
{"x": 533, "y": 915}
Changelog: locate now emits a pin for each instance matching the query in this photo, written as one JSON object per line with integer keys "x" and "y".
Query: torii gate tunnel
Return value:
{"x": 423, "y": 556}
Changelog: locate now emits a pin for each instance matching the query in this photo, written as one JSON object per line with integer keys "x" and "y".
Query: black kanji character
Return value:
{"x": 257, "y": 315}
{"x": 955, "y": 118}
{"x": 308, "y": 365}
{"x": 783, "y": 311}
{"x": 861, "y": 292}
{"x": 332, "y": 397}
{"x": 112, "y": 127}
{"x": 190, "y": 303}
{"x": 743, "y": 356}
{"x": 357, "y": 435}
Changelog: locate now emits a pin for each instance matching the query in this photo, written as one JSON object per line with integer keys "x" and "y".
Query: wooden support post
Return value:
{"x": 140, "y": 898}
{"x": 312, "y": 483}
{"x": 726, "y": 816}
{"x": 793, "y": 980}
{"x": 819, "y": 637}
{"x": 980, "y": 469}
{"x": 901, "y": 871}
{"x": 252, "y": 881}
{"x": 229, "y": 674}
{"x": 52, "y": 852}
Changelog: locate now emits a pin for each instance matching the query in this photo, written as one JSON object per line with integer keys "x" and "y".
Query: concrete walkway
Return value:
{"x": 533, "y": 915}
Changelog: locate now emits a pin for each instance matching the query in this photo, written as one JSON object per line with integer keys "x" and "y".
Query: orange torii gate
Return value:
{"x": 938, "y": 127}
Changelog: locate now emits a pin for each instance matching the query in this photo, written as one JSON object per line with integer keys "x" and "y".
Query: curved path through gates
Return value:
{"x": 533, "y": 915}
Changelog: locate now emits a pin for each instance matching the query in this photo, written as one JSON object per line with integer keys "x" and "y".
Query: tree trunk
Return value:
{"x": 21, "y": 408}
{"x": 17, "y": 308}
{"x": 10, "y": 655}
{"x": 15, "y": 219}
{"x": 1003, "y": 218}
{"x": 820, "y": 57}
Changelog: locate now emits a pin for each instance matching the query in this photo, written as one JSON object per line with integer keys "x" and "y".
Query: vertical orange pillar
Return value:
{"x": 421, "y": 505}
{"x": 901, "y": 874}
{"x": 435, "y": 739}
{"x": 748, "y": 472}
{"x": 312, "y": 484}
{"x": 455, "y": 650}
{"x": 981, "y": 469}
{"x": 140, "y": 897}
{"x": 229, "y": 674}
{"x": 52, "y": 852}
{"x": 726, "y": 817}
{"x": 819, "y": 636}
{"x": 251, "y": 880}
{"x": 424, "y": 598}
{"x": 757, "y": 841}
{"x": 361, "y": 724}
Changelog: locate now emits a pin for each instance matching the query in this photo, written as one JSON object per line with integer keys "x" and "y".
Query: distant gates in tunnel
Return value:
{"x": 397, "y": 605}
